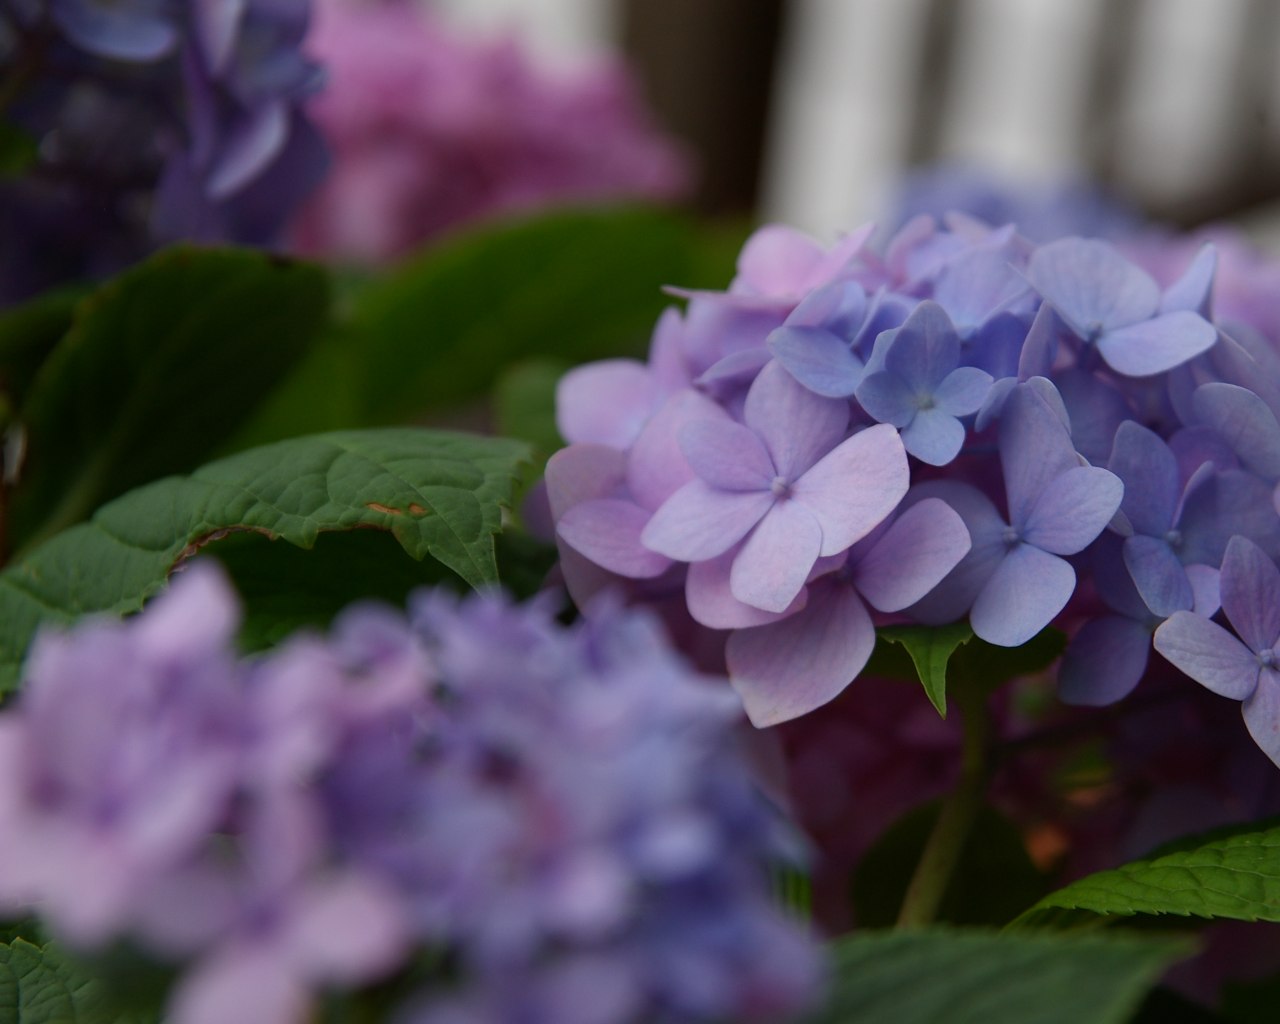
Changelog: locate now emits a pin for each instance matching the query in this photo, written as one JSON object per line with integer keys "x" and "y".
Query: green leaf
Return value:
{"x": 38, "y": 985}
{"x": 438, "y": 331}
{"x": 438, "y": 493}
{"x": 1224, "y": 874}
{"x": 28, "y": 333}
{"x": 159, "y": 366}
{"x": 524, "y": 404}
{"x": 979, "y": 977}
{"x": 284, "y": 588}
{"x": 18, "y": 150}
{"x": 930, "y": 648}
{"x": 993, "y": 879}
{"x": 943, "y": 655}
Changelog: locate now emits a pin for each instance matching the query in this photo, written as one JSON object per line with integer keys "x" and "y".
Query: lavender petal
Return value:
{"x": 789, "y": 668}
{"x": 1208, "y": 654}
{"x": 1022, "y": 596}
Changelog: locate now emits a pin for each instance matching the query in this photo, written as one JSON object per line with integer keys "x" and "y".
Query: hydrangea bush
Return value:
{"x": 876, "y": 649}
{"x": 957, "y": 425}
{"x": 551, "y": 813}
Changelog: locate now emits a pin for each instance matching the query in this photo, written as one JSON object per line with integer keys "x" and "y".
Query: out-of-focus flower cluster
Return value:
{"x": 431, "y": 130}
{"x": 151, "y": 120}
{"x": 554, "y": 819}
{"x": 956, "y": 424}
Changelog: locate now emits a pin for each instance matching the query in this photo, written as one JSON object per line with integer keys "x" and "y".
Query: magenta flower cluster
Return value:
{"x": 958, "y": 424}
{"x": 431, "y": 130}
{"x": 559, "y": 816}
{"x": 151, "y": 121}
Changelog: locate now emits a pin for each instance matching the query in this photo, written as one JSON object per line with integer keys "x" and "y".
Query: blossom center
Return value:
{"x": 1173, "y": 538}
{"x": 780, "y": 487}
{"x": 924, "y": 402}
{"x": 1011, "y": 537}
{"x": 1267, "y": 658}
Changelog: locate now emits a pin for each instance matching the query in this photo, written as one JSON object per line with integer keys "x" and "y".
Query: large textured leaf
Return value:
{"x": 1226, "y": 874}
{"x": 978, "y": 977}
{"x": 438, "y": 493}
{"x": 39, "y": 986}
{"x": 440, "y": 330}
{"x": 159, "y": 367}
{"x": 28, "y": 333}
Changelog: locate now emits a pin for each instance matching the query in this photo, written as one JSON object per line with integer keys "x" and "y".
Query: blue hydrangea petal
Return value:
{"x": 887, "y": 398}
{"x": 774, "y": 563}
{"x": 1262, "y": 714}
{"x": 699, "y": 521}
{"x": 797, "y": 426}
{"x": 1034, "y": 449}
{"x": 1156, "y": 346}
{"x": 250, "y": 146}
{"x": 997, "y": 345}
{"x": 1227, "y": 504}
{"x": 912, "y": 556}
{"x": 925, "y": 349}
{"x": 1193, "y": 290}
{"x": 962, "y": 391}
{"x": 607, "y": 531}
{"x": 1104, "y": 661}
{"x": 1096, "y": 410}
{"x": 953, "y": 597}
{"x": 1073, "y": 509}
{"x": 818, "y": 359}
{"x": 1245, "y": 422}
{"x": 128, "y": 31}
{"x": 1147, "y": 467}
{"x": 1023, "y": 595}
{"x": 711, "y": 602}
{"x": 1208, "y": 654}
{"x": 1040, "y": 350}
{"x": 855, "y": 486}
{"x": 789, "y": 668}
{"x": 726, "y": 455}
{"x": 1092, "y": 287}
{"x": 933, "y": 436}
{"x": 1250, "y": 591}
{"x": 1159, "y": 576}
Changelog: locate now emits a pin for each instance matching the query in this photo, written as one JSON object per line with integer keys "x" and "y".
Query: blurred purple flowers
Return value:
{"x": 560, "y": 813}
{"x": 430, "y": 131}
{"x": 151, "y": 121}
{"x": 1086, "y": 441}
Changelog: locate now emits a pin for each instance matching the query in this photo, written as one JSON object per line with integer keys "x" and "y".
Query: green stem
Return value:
{"x": 955, "y": 821}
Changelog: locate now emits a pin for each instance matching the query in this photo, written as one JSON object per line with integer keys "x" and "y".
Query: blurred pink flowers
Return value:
{"x": 430, "y": 131}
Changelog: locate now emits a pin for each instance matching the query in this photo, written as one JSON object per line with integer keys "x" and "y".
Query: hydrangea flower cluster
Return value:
{"x": 152, "y": 120}
{"x": 431, "y": 130}
{"x": 558, "y": 815}
{"x": 957, "y": 424}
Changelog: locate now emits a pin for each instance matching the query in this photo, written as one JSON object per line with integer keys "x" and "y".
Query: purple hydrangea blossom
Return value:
{"x": 786, "y": 668}
{"x": 1014, "y": 580}
{"x": 786, "y": 482}
{"x": 920, "y": 387}
{"x": 542, "y": 805}
{"x": 1077, "y": 359}
{"x": 1109, "y": 303}
{"x": 154, "y": 120}
{"x": 1242, "y": 667}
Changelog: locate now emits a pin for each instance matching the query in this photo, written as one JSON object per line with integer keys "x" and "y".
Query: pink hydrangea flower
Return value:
{"x": 430, "y": 131}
